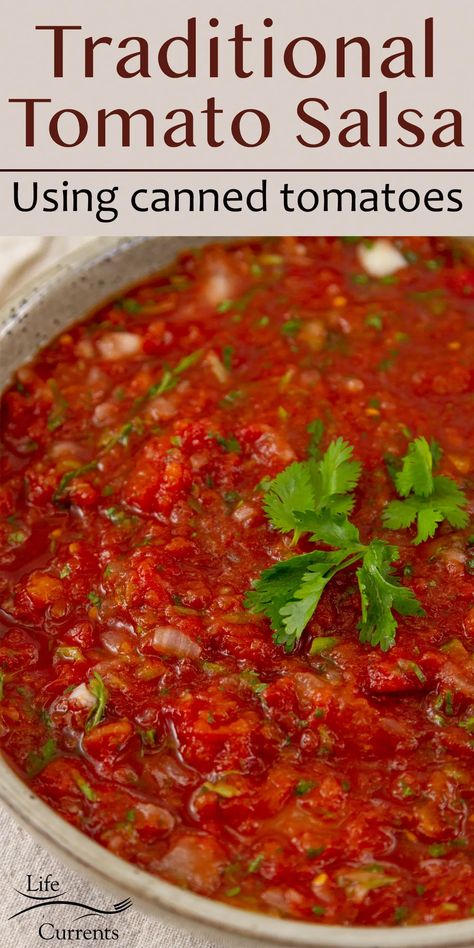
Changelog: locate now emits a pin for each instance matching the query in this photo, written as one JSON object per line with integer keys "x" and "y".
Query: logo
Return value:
{"x": 44, "y": 893}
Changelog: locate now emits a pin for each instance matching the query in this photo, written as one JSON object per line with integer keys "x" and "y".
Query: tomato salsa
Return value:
{"x": 140, "y": 697}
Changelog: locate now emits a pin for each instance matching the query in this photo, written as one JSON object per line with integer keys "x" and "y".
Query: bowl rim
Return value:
{"x": 152, "y": 894}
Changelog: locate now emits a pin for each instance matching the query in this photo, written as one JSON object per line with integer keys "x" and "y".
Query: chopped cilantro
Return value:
{"x": 227, "y": 354}
{"x": 250, "y": 678}
{"x": 148, "y": 737}
{"x": 71, "y": 475}
{"x": 448, "y": 703}
{"x": 231, "y": 397}
{"x": 233, "y": 891}
{"x": 85, "y": 787}
{"x": 170, "y": 377}
{"x": 116, "y": 515}
{"x": 254, "y": 864}
{"x": 400, "y": 914}
{"x": 304, "y": 786}
{"x": 98, "y": 690}
{"x": 130, "y": 305}
{"x": 407, "y": 666}
{"x": 314, "y": 851}
{"x": 16, "y": 538}
{"x": 437, "y": 849}
{"x": 94, "y": 599}
{"x": 37, "y": 760}
{"x": 291, "y": 327}
{"x": 225, "y": 306}
{"x": 57, "y": 416}
{"x": 374, "y": 321}
{"x": 230, "y": 444}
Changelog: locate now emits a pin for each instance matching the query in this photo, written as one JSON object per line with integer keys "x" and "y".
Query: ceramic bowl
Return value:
{"x": 81, "y": 282}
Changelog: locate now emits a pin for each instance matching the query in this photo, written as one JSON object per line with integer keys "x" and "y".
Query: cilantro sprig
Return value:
{"x": 316, "y": 498}
{"x": 427, "y": 499}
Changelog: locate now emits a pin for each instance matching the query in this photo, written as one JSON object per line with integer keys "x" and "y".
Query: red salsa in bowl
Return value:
{"x": 305, "y": 754}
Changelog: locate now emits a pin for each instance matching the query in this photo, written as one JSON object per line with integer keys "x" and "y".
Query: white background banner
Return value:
{"x": 367, "y": 112}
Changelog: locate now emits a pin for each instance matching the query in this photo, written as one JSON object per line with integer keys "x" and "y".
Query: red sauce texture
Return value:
{"x": 139, "y": 698}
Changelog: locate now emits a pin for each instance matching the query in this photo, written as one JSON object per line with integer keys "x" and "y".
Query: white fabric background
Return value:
{"x": 20, "y": 259}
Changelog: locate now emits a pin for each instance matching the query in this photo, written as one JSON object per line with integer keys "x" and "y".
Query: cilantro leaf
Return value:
{"x": 313, "y": 486}
{"x": 449, "y": 499}
{"x": 332, "y": 528}
{"x": 416, "y": 473}
{"x": 290, "y": 491}
{"x": 338, "y": 474}
{"x": 380, "y": 592}
{"x": 427, "y": 500}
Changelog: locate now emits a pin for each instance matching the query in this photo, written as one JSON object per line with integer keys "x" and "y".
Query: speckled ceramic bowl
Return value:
{"x": 63, "y": 295}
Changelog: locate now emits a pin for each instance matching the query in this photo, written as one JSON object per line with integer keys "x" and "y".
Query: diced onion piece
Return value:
{"x": 271, "y": 444}
{"x": 220, "y": 284}
{"x": 66, "y": 449}
{"x": 119, "y": 345}
{"x": 118, "y": 640}
{"x": 105, "y": 414}
{"x": 85, "y": 349}
{"x": 83, "y": 697}
{"x": 194, "y": 861}
{"x": 160, "y": 409}
{"x": 245, "y": 514}
{"x": 217, "y": 367}
{"x": 381, "y": 258}
{"x": 171, "y": 641}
